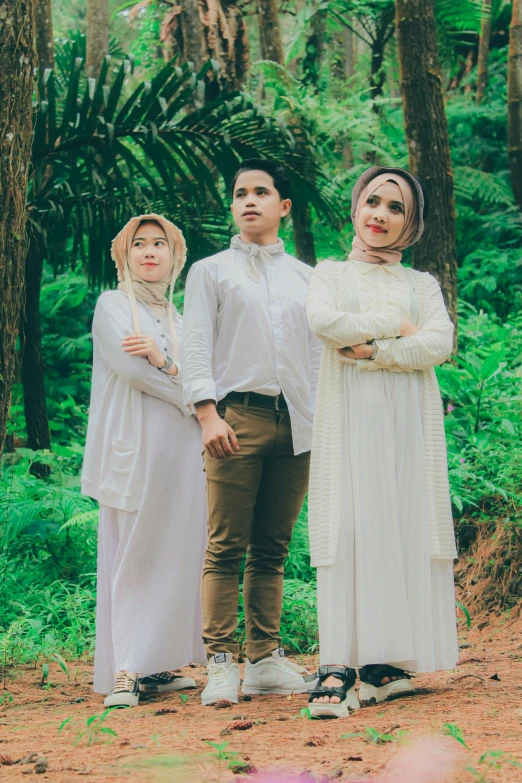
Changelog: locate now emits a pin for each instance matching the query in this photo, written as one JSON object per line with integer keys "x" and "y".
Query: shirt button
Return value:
{"x": 163, "y": 335}
{"x": 158, "y": 320}
{"x": 165, "y": 349}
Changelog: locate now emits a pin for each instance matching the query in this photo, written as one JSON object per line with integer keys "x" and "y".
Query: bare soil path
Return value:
{"x": 482, "y": 699}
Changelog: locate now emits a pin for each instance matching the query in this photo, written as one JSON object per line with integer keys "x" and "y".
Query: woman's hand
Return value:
{"x": 144, "y": 345}
{"x": 407, "y": 328}
{"x": 363, "y": 351}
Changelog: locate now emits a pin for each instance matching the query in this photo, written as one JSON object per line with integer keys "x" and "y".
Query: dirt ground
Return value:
{"x": 482, "y": 699}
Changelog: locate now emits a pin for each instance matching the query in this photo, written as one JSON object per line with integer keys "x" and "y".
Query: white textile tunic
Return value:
{"x": 242, "y": 335}
{"x": 380, "y": 519}
{"x": 143, "y": 465}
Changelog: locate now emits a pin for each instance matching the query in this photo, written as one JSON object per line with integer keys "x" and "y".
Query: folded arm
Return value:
{"x": 433, "y": 343}
{"x": 339, "y": 329}
{"x": 110, "y": 326}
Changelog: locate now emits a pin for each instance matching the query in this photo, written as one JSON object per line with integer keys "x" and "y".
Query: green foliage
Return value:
{"x": 94, "y": 729}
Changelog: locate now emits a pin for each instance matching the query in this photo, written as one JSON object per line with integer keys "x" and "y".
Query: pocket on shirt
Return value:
{"x": 123, "y": 455}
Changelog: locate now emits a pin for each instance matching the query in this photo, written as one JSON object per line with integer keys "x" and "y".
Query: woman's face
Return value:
{"x": 381, "y": 218}
{"x": 150, "y": 252}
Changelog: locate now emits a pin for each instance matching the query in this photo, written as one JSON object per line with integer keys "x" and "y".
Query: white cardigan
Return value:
{"x": 431, "y": 346}
{"x": 112, "y": 466}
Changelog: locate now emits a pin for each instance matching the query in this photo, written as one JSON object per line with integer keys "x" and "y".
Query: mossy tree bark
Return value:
{"x": 483, "y": 52}
{"x": 270, "y": 31}
{"x": 17, "y": 60}
{"x": 98, "y": 34}
{"x": 427, "y": 141}
{"x": 515, "y": 101}
{"x": 44, "y": 34}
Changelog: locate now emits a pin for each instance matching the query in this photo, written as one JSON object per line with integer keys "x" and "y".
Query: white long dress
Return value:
{"x": 385, "y": 599}
{"x": 148, "y": 616}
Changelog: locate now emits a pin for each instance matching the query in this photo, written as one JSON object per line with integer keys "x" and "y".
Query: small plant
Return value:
{"x": 183, "y": 698}
{"x": 489, "y": 761}
{"x": 465, "y": 612}
{"x": 94, "y": 728}
{"x": 452, "y": 730}
{"x": 156, "y": 739}
{"x": 305, "y": 713}
{"x": 6, "y": 699}
{"x": 378, "y": 738}
{"x": 45, "y": 676}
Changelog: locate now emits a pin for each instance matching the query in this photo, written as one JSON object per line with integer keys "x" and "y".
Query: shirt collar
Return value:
{"x": 364, "y": 267}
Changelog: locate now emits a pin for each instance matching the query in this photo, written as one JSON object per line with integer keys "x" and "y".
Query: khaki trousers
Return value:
{"x": 254, "y": 499}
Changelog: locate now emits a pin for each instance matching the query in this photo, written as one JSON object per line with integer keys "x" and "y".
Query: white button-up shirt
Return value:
{"x": 245, "y": 335}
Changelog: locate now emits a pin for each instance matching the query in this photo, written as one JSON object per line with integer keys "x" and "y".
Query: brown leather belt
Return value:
{"x": 253, "y": 399}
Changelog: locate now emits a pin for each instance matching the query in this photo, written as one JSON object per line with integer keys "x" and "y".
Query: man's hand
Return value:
{"x": 408, "y": 329}
{"x": 362, "y": 351}
{"x": 219, "y": 439}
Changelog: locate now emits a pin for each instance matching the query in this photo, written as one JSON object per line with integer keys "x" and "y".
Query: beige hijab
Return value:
{"x": 152, "y": 294}
{"x": 392, "y": 254}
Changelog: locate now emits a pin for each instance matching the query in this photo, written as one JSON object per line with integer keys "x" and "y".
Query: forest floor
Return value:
{"x": 482, "y": 699}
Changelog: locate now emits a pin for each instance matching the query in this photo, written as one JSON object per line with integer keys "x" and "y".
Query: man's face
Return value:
{"x": 257, "y": 206}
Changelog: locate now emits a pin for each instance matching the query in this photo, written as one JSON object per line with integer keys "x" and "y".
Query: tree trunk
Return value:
{"x": 44, "y": 34}
{"x": 192, "y": 32}
{"x": 17, "y": 60}
{"x": 37, "y": 424}
{"x": 225, "y": 40}
{"x": 303, "y": 234}
{"x": 349, "y": 52}
{"x": 427, "y": 140}
{"x": 377, "y": 76}
{"x": 270, "y": 31}
{"x": 515, "y": 101}
{"x": 98, "y": 30}
{"x": 315, "y": 47}
{"x": 483, "y": 52}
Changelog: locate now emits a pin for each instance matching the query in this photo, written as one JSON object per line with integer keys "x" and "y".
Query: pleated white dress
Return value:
{"x": 152, "y": 535}
{"x": 385, "y": 599}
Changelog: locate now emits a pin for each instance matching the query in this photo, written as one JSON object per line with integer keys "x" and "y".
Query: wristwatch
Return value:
{"x": 168, "y": 364}
{"x": 375, "y": 348}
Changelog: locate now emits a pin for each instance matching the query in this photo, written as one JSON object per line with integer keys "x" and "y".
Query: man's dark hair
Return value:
{"x": 276, "y": 170}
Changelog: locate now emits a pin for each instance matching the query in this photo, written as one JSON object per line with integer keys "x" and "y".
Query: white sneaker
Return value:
{"x": 125, "y": 692}
{"x": 223, "y": 680}
{"x": 165, "y": 682}
{"x": 274, "y": 675}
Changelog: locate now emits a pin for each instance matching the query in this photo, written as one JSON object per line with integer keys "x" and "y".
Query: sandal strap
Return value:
{"x": 374, "y": 673}
{"x": 343, "y": 673}
{"x": 329, "y": 690}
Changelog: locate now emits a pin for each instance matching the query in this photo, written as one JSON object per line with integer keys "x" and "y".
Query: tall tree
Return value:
{"x": 315, "y": 47}
{"x": 44, "y": 34}
{"x": 270, "y": 31}
{"x": 181, "y": 31}
{"x": 226, "y": 42}
{"x": 427, "y": 141}
{"x": 98, "y": 33}
{"x": 515, "y": 101}
{"x": 483, "y": 52}
{"x": 17, "y": 31}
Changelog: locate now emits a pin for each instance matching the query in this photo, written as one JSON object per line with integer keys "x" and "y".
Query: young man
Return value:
{"x": 250, "y": 369}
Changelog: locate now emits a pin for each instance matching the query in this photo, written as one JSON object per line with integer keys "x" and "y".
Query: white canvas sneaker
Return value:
{"x": 274, "y": 675}
{"x": 125, "y": 692}
{"x": 223, "y": 680}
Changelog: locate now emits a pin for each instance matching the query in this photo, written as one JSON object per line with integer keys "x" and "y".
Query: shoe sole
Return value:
{"x": 369, "y": 692}
{"x": 340, "y": 710}
{"x": 251, "y": 690}
{"x": 170, "y": 688}
{"x": 119, "y": 700}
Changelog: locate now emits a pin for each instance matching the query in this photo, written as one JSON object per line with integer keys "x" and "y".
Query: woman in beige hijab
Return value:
{"x": 381, "y": 531}
{"x": 143, "y": 465}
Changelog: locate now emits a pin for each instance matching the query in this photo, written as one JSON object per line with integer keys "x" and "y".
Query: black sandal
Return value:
{"x": 372, "y": 688}
{"x": 345, "y": 692}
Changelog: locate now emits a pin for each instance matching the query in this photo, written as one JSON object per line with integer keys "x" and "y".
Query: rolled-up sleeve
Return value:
{"x": 199, "y": 328}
